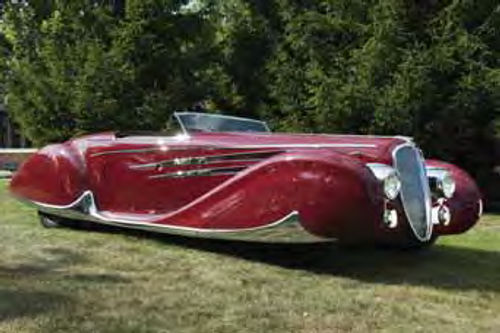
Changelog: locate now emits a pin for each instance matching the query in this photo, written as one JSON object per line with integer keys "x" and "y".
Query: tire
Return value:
{"x": 416, "y": 246}
{"x": 49, "y": 221}
{"x": 409, "y": 245}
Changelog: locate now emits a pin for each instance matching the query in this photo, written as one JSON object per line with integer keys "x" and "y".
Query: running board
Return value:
{"x": 286, "y": 230}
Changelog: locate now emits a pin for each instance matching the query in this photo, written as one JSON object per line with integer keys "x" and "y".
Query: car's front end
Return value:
{"x": 428, "y": 198}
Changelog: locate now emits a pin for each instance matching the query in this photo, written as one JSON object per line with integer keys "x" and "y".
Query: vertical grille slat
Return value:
{"x": 415, "y": 192}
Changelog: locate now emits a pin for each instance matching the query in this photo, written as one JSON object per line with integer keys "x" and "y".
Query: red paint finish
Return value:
{"x": 322, "y": 177}
{"x": 54, "y": 175}
{"x": 464, "y": 205}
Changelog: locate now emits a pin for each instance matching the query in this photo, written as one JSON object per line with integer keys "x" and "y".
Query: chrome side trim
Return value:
{"x": 207, "y": 159}
{"x": 427, "y": 193}
{"x": 126, "y": 151}
{"x": 201, "y": 172}
{"x": 166, "y": 148}
{"x": 287, "y": 229}
{"x": 306, "y": 145}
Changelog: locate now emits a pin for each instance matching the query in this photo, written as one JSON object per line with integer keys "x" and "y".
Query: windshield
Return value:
{"x": 206, "y": 122}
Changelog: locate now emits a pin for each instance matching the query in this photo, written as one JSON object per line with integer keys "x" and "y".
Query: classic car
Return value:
{"x": 217, "y": 176}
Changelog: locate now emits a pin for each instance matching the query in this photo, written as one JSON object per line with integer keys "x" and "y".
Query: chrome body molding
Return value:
{"x": 131, "y": 151}
{"x": 209, "y": 159}
{"x": 304, "y": 145}
{"x": 201, "y": 172}
{"x": 166, "y": 147}
{"x": 286, "y": 230}
{"x": 480, "y": 208}
{"x": 424, "y": 184}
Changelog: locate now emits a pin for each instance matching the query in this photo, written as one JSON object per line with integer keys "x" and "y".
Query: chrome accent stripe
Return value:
{"x": 126, "y": 151}
{"x": 280, "y": 146}
{"x": 426, "y": 191}
{"x": 201, "y": 172}
{"x": 306, "y": 145}
{"x": 200, "y": 160}
{"x": 288, "y": 229}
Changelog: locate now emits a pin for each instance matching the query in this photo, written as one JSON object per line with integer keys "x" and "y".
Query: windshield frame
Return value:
{"x": 185, "y": 130}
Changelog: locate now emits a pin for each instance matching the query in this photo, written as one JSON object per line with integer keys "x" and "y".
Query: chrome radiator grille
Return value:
{"x": 415, "y": 192}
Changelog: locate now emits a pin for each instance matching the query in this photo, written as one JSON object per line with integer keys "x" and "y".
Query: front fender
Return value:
{"x": 335, "y": 195}
{"x": 466, "y": 203}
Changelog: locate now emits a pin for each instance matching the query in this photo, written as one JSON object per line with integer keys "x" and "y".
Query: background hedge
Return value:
{"x": 428, "y": 69}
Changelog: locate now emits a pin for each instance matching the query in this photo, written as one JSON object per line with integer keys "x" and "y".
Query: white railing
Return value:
{"x": 18, "y": 150}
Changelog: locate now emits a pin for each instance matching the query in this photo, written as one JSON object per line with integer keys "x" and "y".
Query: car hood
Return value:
{"x": 366, "y": 147}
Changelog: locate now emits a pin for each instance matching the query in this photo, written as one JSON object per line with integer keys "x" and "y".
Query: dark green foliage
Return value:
{"x": 79, "y": 67}
{"x": 427, "y": 69}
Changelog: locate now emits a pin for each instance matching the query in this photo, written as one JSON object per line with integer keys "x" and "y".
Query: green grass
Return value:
{"x": 78, "y": 281}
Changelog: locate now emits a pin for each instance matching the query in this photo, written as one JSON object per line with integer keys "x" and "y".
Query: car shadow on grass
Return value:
{"x": 19, "y": 282}
{"x": 440, "y": 266}
{"x": 52, "y": 264}
{"x": 15, "y": 303}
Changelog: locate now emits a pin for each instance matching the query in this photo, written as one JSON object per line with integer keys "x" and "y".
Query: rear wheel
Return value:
{"x": 52, "y": 221}
{"x": 49, "y": 221}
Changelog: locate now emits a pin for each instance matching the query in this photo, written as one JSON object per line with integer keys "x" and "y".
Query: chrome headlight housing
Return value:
{"x": 441, "y": 182}
{"x": 389, "y": 178}
{"x": 392, "y": 186}
{"x": 447, "y": 186}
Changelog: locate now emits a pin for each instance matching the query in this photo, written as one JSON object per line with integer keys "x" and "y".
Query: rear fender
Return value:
{"x": 54, "y": 175}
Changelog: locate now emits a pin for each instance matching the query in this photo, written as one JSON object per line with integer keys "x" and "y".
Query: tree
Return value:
{"x": 79, "y": 66}
{"x": 427, "y": 69}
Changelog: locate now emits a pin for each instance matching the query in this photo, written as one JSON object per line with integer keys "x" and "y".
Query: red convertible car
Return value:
{"x": 227, "y": 177}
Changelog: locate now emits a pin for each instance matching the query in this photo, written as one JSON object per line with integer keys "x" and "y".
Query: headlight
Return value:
{"x": 392, "y": 186}
{"x": 441, "y": 182}
{"x": 389, "y": 178}
{"x": 448, "y": 186}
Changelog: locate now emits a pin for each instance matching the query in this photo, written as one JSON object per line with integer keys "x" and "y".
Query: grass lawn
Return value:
{"x": 78, "y": 281}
